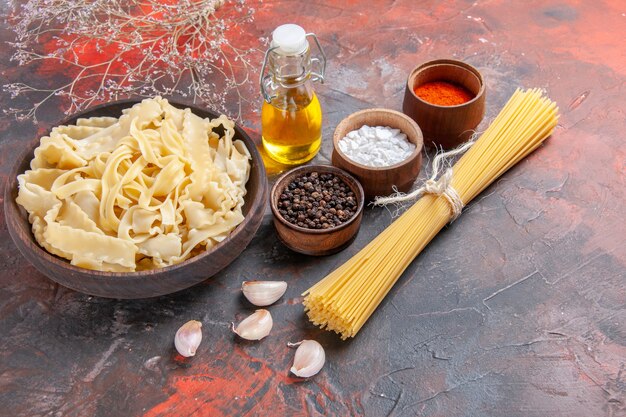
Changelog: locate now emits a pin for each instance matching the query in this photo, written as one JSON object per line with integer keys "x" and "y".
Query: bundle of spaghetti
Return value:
{"x": 347, "y": 297}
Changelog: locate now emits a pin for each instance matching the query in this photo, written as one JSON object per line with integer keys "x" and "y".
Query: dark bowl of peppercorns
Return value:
{"x": 317, "y": 209}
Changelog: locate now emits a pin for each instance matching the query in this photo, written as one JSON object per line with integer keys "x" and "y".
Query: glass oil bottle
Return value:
{"x": 291, "y": 116}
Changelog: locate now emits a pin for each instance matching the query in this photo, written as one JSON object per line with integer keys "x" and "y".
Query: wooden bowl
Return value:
{"x": 379, "y": 181}
{"x": 144, "y": 283}
{"x": 316, "y": 242}
{"x": 445, "y": 126}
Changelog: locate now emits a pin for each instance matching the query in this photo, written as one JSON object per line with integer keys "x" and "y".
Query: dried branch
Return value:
{"x": 119, "y": 48}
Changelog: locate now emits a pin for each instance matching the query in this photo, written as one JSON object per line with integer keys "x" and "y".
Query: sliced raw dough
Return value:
{"x": 143, "y": 191}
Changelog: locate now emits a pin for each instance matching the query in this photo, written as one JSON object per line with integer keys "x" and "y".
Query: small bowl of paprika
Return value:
{"x": 446, "y": 98}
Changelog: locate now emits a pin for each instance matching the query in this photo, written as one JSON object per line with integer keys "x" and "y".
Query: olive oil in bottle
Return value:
{"x": 292, "y": 127}
{"x": 291, "y": 116}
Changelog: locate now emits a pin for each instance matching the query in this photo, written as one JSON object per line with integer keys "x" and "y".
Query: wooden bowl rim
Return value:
{"x": 411, "y": 159}
{"x": 441, "y": 63}
{"x": 323, "y": 169}
{"x": 11, "y": 184}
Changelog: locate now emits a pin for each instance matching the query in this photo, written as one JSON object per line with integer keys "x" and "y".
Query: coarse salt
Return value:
{"x": 377, "y": 146}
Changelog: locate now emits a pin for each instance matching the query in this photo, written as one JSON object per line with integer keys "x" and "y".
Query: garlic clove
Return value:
{"x": 188, "y": 338}
{"x": 256, "y": 326}
{"x": 309, "y": 359}
{"x": 263, "y": 293}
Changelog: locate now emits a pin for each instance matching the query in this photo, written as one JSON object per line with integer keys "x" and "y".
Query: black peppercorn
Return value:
{"x": 317, "y": 201}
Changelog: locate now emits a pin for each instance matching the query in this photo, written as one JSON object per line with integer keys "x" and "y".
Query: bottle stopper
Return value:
{"x": 290, "y": 39}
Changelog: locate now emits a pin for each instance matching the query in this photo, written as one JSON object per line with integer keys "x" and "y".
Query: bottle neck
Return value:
{"x": 289, "y": 71}
{"x": 282, "y": 71}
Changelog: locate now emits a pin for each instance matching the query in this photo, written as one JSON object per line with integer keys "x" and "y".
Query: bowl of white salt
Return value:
{"x": 382, "y": 148}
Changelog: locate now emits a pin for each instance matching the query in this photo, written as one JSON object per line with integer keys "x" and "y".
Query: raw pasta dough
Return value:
{"x": 144, "y": 191}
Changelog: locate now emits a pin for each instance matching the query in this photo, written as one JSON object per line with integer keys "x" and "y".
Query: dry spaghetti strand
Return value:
{"x": 347, "y": 297}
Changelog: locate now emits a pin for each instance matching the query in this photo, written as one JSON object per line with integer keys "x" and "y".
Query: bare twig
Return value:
{"x": 120, "y": 48}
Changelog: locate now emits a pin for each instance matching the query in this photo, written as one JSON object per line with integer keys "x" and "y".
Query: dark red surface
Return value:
{"x": 517, "y": 309}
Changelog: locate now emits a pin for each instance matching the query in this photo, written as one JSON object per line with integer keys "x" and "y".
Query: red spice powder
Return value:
{"x": 443, "y": 93}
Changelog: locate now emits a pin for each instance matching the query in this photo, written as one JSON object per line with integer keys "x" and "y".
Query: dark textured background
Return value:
{"x": 517, "y": 309}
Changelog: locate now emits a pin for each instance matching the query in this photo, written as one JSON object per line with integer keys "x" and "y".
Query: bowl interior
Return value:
{"x": 289, "y": 176}
{"x": 380, "y": 117}
{"x": 20, "y": 228}
{"x": 455, "y": 72}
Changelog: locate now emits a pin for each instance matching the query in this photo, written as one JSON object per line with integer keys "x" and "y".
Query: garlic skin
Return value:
{"x": 309, "y": 359}
{"x": 263, "y": 293}
{"x": 256, "y": 326}
{"x": 188, "y": 338}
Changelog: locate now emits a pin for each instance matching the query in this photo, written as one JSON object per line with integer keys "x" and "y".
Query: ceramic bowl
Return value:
{"x": 140, "y": 284}
{"x": 445, "y": 126}
{"x": 316, "y": 242}
{"x": 380, "y": 181}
